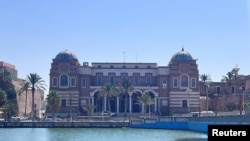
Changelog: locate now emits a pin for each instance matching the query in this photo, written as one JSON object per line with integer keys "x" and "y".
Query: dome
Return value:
{"x": 65, "y": 55}
{"x": 182, "y": 55}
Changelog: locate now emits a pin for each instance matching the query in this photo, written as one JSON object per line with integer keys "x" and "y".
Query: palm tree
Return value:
{"x": 53, "y": 101}
{"x": 146, "y": 100}
{"x": 126, "y": 87}
{"x": 25, "y": 88}
{"x": 89, "y": 108}
{"x": 108, "y": 91}
{"x": 36, "y": 82}
{"x": 204, "y": 78}
{"x": 228, "y": 80}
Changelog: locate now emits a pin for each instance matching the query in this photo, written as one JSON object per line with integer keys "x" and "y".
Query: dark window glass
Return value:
{"x": 73, "y": 82}
{"x": 54, "y": 81}
{"x": 99, "y": 80}
{"x": 83, "y": 82}
{"x": 112, "y": 79}
{"x": 64, "y": 80}
{"x": 184, "y": 81}
{"x": 63, "y": 103}
{"x": 175, "y": 83}
{"x": 148, "y": 80}
{"x": 184, "y": 103}
{"x": 136, "y": 80}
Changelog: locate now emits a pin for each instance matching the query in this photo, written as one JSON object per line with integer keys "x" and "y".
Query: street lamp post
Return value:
{"x": 242, "y": 100}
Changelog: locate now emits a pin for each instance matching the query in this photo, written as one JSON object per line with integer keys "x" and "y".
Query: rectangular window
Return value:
{"x": 136, "y": 80}
{"x": 218, "y": 90}
{"x": 112, "y": 79}
{"x": 84, "y": 83}
{"x": 63, "y": 102}
{"x": 175, "y": 83}
{"x": 193, "y": 83}
{"x": 148, "y": 80}
{"x": 164, "y": 102}
{"x": 54, "y": 82}
{"x": 72, "y": 82}
{"x": 99, "y": 80}
{"x": 184, "y": 103}
{"x": 164, "y": 83}
{"x": 232, "y": 90}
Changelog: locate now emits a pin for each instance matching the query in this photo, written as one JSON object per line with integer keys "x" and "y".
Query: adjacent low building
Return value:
{"x": 24, "y": 100}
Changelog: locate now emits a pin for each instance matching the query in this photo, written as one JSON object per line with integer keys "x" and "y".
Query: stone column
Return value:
{"x": 105, "y": 103}
{"x": 118, "y": 104}
{"x": 92, "y": 102}
{"x": 130, "y": 103}
{"x": 155, "y": 104}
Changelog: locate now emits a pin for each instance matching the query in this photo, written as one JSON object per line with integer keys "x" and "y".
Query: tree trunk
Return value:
{"x": 25, "y": 103}
{"x": 126, "y": 105}
{"x": 109, "y": 106}
{"x": 33, "y": 104}
{"x": 149, "y": 111}
{"x": 53, "y": 114}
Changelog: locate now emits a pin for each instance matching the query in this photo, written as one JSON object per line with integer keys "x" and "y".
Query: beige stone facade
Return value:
{"x": 21, "y": 100}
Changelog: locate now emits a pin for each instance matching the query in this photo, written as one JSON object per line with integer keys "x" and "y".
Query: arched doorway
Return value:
{"x": 112, "y": 104}
{"x": 151, "y": 108}
{"x": 98, "y": 102}
{"x": 122, "y": 103}
{"x": 136, "y": 107}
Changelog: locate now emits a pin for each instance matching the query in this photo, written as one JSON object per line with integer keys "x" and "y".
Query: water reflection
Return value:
{"x": 98, "y": 134}
{"x": 192, "y": 139}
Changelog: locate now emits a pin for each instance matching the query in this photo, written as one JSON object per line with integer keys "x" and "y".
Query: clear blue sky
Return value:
{"x": 216, "y": 32}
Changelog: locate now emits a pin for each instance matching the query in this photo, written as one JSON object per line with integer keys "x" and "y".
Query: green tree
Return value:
{"x": 108, "y": 91}
{"x": 146, "y": 100}
{"x": 5, "y": 75}
{"x": 10, "y": 109}
{"x": 25, "y": 88}
{"x": 36, "y": 82}
{"x": 88, "y": 108}
{"x": 3, "y": 98}
{"x": 7, "y": 86}
{"x": 204, "y": 78}
{"x": 126, "y": 87}
{"x": 53, "y": 102}
{"x": 228, "y": 80}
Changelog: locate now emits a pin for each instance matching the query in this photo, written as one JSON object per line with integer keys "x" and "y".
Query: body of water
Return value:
{"x": 98, "y": 134}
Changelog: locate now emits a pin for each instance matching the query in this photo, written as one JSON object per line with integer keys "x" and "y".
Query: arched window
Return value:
{"x": 99, "y": 80}
{"x": 112, "y": 79}
{"x": 184, "y": 81}
{"x": 64, "y": 80}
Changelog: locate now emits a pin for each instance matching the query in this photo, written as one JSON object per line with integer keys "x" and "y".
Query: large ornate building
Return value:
{"x": 174, "y": 88}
